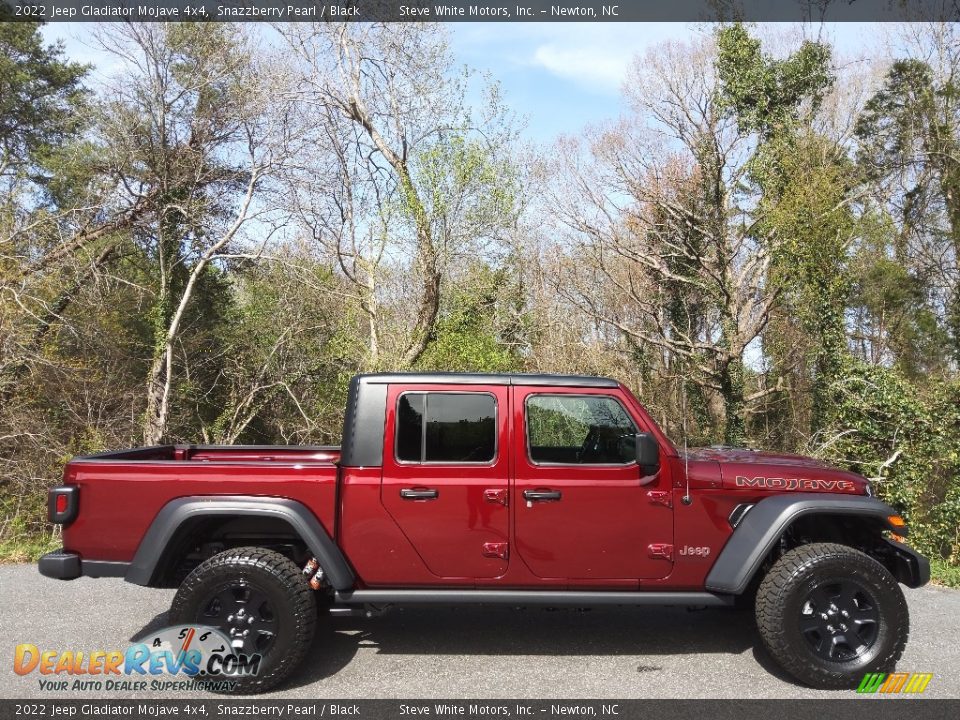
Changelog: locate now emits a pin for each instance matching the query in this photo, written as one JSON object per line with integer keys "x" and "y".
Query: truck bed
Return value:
{"x": 223, "y": 453}
{"x": 121, "y": 492}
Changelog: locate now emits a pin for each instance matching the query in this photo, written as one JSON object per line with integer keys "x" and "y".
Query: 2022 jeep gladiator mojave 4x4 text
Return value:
{"x": 520, "y": 489}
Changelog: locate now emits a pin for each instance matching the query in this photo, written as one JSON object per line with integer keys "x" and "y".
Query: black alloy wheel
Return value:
{"x": 261, "y": 601}
{"x": 828, "y": 614}
{"x": 246, "y": 616}
{"x": 840, "y": 620}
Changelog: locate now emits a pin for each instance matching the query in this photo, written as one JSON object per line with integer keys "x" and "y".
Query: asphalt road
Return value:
{"x": 489, "y": 652}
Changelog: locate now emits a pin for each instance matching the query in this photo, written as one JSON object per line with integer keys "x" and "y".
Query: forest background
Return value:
{"x": 206, "y": 246}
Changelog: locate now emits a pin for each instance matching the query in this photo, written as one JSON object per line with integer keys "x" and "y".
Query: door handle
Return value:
{"x": 411, "y": 494}
{"x": 542, "y": 495}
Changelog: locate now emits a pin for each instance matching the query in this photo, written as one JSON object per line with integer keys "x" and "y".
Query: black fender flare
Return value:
{"x": 760, "y": 529}
{"x": 176, "y": 512}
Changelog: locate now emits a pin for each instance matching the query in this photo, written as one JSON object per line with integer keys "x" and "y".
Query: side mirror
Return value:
{"x": 648, "y": 454}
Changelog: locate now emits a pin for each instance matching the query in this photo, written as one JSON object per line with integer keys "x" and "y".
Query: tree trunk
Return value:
{"x": 155, "y": 421}
{"x": 169, "y": 319}
{"x": 426, "y": 252}
{"x": 950, "y": 180}
{"x": 731, "y": 388}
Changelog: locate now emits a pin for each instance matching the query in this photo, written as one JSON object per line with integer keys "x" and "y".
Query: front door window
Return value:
{"x": 592, "y": 430}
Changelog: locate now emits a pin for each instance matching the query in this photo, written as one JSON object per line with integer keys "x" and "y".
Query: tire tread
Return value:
{"x": 776, "y": 586}
{"x": 291, "y": 579}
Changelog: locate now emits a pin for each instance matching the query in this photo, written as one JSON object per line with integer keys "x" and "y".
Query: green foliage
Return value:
{"x": 566, "y": 422}
{"x": 467, "y": 336}
{"x": 811, "y": 227}
{"x": 764, "y": 94}
{"x": 908, "y": 134}
{"x": 21, "y": 544}
{"x": 555, "y": 423}
{"x": 273, "y": 346}
{"x": 41, "y": 96}
{"x": 894, "y": 322}
{"x": 943, "y": 573}
{"x": 26, "y": 535}
{"x": 460, "y": 177}
{"x": 898, "y": 116}
{"x": 907, "y": 439}
{"x": 800, "y": 183}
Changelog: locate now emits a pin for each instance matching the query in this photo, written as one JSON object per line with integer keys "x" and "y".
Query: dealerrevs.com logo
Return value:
{"x": 199, "y": 657}
{"x": 895, "y": 683}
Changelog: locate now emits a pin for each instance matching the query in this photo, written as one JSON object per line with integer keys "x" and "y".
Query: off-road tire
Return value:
{"x": 281, "y": 582}
{"x": 781, "y": 608}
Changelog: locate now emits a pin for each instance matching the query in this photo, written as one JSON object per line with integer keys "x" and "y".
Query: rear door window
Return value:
{"x": 440, "y": 427}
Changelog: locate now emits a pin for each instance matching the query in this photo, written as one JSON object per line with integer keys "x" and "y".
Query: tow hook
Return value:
{"x": 314, "y": 574}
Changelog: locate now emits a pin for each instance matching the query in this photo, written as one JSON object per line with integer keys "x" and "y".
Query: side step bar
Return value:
{"x": 530, "y": 597}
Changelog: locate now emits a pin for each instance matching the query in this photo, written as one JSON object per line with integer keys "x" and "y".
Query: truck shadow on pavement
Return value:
{"x": 497, "y": 630}
{"x": 504, "y": 631}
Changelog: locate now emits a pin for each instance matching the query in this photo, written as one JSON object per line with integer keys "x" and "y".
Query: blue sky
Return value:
{"x": 562, "y": 76}
{"x": 559, "y": 76}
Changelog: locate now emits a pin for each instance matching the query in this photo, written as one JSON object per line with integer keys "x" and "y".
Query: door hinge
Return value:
{"x": 660, "y": 497}
{"x": 660, "y": 550}
{"x": 496, "y": 550}
{"x": 495, "y": 495}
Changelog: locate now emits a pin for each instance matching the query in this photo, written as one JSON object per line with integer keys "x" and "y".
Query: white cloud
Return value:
{"x": 594, "y": 55}
{"x": 592, "y": 67}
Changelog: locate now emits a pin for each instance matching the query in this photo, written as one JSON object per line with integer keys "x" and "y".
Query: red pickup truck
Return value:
{"x": 519, "y": 489}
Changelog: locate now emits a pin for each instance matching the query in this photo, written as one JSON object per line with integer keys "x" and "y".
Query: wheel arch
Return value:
{"x": 196, "y": 517}
{"x": 760, "y": 530}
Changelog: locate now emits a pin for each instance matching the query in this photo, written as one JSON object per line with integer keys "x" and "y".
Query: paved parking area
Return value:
{"x": 475, "y": 652}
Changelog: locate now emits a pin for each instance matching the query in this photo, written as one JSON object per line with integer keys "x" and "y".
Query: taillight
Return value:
{"x": 62, "y": 504}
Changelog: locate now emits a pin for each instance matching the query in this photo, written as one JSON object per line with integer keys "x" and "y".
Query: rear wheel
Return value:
{"x": 261, "y": 601}
{"x": 828, "y": 614}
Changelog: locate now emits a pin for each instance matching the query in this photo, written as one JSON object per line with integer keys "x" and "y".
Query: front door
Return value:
{"x": 583, "y": 511}
{"x": 445, "y": 471}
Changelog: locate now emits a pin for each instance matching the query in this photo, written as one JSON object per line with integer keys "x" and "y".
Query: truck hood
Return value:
{"x": 753, "y": 457}
{"x": 743, "y": 468}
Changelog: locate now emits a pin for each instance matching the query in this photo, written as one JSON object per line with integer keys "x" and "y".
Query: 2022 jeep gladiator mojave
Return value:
{"x": 520, "y": 489}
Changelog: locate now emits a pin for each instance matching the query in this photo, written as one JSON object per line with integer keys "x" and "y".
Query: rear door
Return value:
{"x": 583, "y": 509}
{"x": 445, "y": 471}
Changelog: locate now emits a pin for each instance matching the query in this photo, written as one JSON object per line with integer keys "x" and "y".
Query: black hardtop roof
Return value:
{"x": 488, "y": 379}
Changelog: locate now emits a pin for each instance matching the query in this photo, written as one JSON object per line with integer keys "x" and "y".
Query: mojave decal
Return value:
{"x": 802, "y": 484}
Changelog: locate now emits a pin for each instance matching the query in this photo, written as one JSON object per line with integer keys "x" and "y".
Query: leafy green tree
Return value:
{"x": 41, "y": 98}
{"x": 801, "y": 181}
{"x": 767, "y": 95}
{"x": 473, "y": 330}
{"x": 909, "y": 147}
{"x": 892, "y": 322}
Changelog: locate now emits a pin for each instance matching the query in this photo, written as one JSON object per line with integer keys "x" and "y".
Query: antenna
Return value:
{"x": 686, "y": 499}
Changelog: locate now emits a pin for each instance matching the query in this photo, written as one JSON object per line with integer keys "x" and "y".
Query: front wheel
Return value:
{"x": 261, "y": 601}
{"x": 829, "y": 614}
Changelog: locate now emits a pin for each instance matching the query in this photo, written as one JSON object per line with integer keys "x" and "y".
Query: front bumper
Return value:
{"x": 60, "y": 565}
{"x": 907, "y": 565}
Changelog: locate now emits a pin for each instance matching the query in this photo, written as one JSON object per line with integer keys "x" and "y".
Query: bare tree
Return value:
{"x": 660, "y": 247}
{"x": 400, "y": 176}
{"x": 188, "y": 124}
